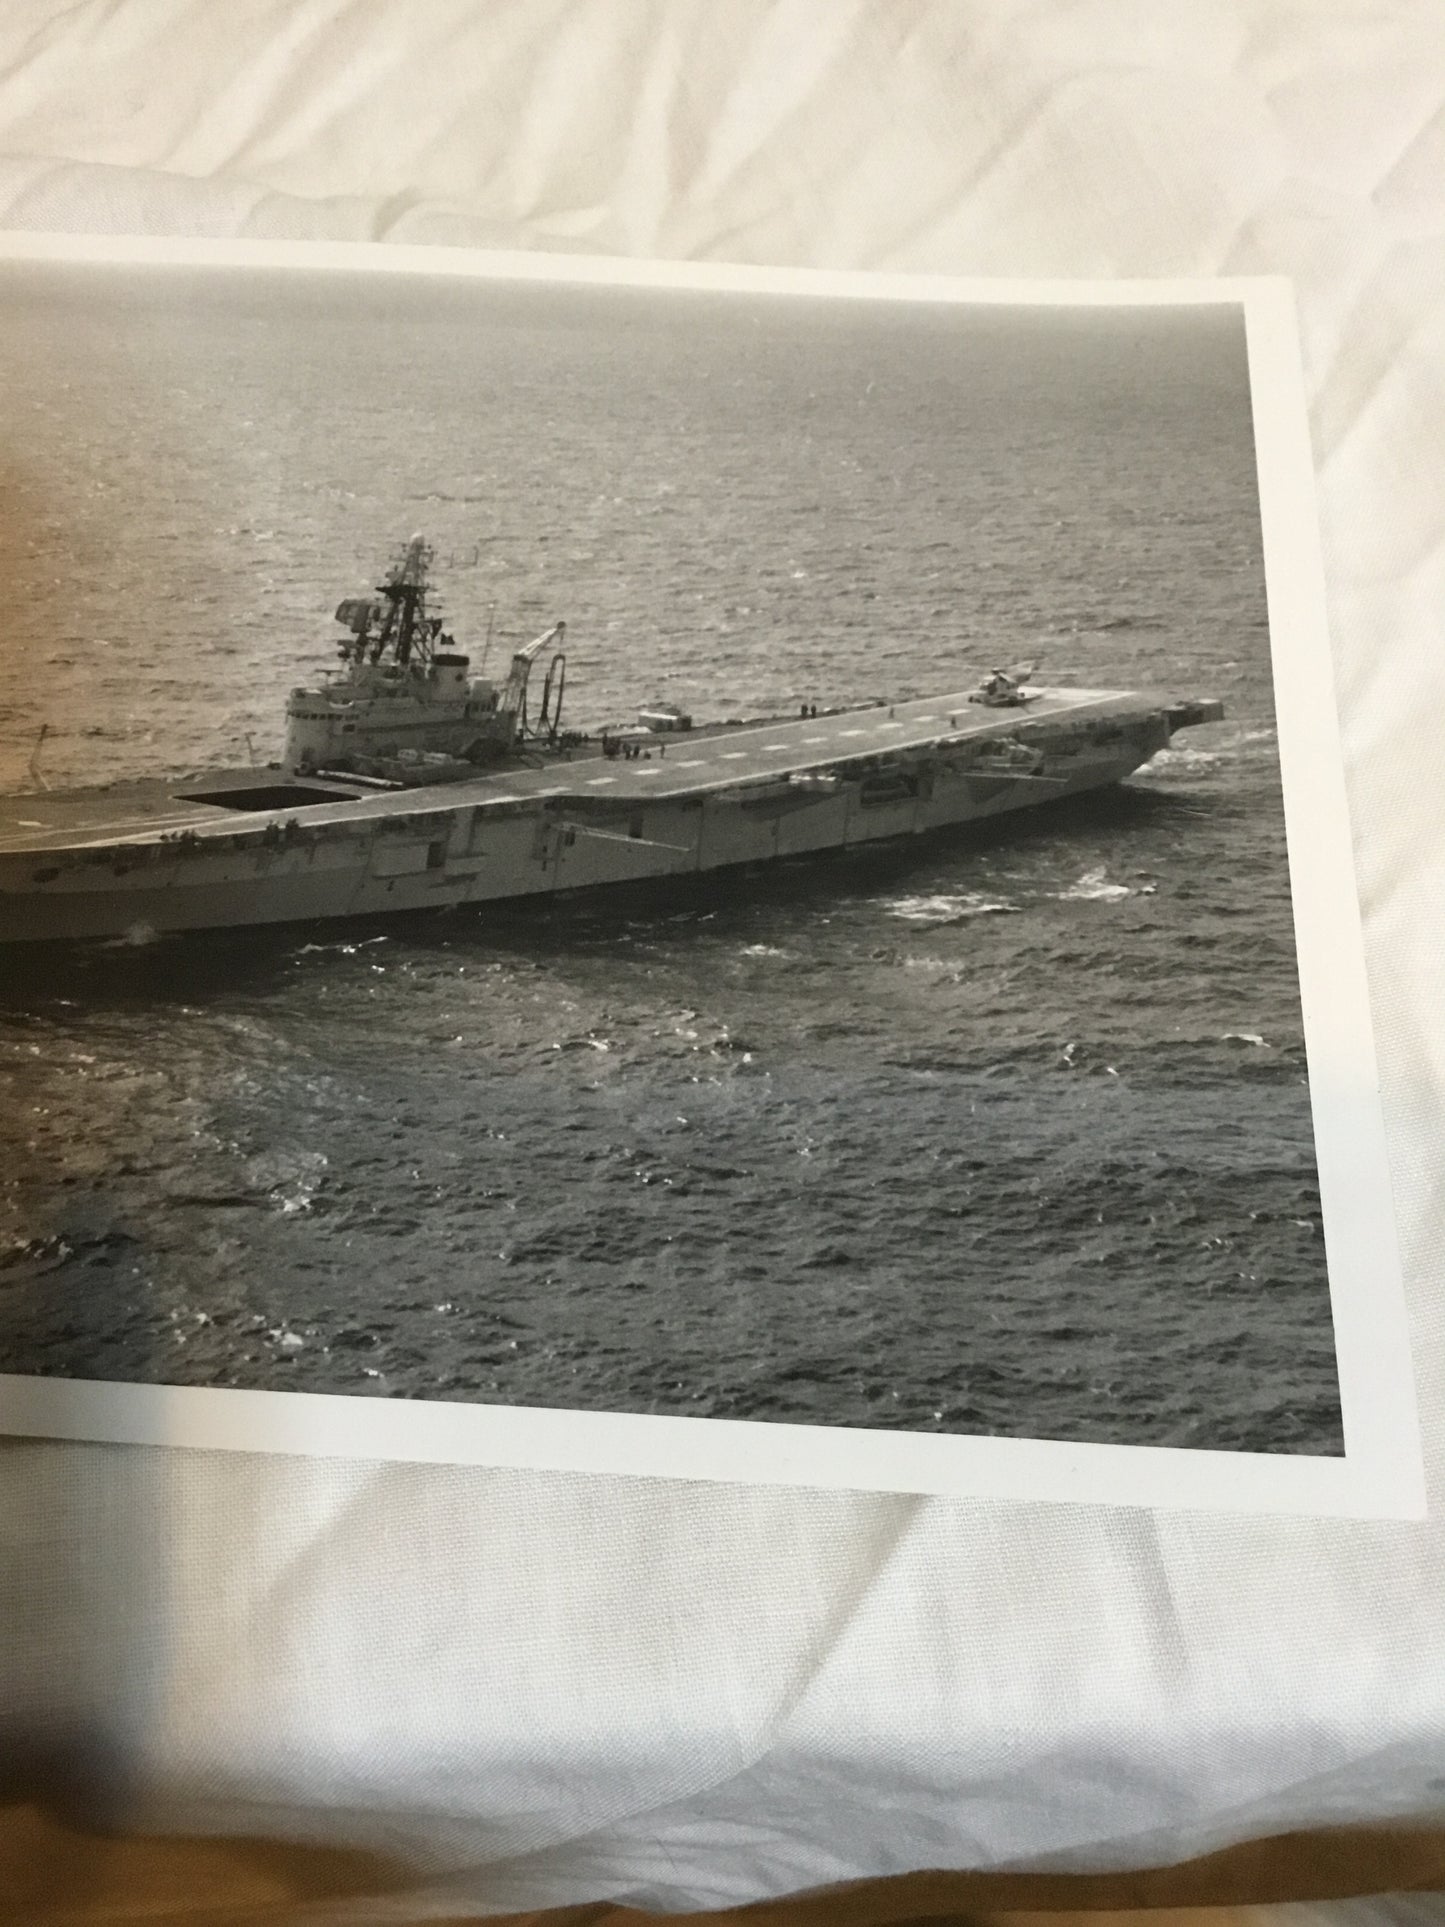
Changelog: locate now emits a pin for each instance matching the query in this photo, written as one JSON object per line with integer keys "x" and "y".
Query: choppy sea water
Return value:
{"x": 1006, "y": 1133}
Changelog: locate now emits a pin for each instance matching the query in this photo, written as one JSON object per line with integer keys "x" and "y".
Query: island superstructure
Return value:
{"x": 410, "y": 783}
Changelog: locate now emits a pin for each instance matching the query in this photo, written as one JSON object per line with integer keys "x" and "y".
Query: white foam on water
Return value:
{"x": 1093, "y": 887}
{"x": 947, "y": 908}
{"x": 1181, "y": 757}
{"x": 137, "y": 937}
{"x": 291, "y": 1183}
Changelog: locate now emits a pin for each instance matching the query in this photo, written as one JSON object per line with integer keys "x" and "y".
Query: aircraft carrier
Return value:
{"x": 408, "y": 784}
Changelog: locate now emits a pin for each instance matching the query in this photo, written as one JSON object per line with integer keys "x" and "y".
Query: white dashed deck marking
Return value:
{"x": 125, "y": 823}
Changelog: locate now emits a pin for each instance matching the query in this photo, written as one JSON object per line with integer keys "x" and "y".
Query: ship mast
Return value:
{"x": 396, "y": 619}
{"x": 404, "y": 625}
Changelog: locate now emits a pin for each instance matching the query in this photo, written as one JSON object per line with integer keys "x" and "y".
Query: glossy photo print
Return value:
{"x": 684, "y": 871}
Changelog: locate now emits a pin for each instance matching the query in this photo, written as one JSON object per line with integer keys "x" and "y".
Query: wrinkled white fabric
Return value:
{"x": 550, "y": 1688}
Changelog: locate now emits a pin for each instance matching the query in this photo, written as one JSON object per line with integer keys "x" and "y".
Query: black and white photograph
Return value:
{"x": 671, "y": 852}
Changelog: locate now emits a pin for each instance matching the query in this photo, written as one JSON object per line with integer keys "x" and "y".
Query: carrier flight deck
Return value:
{"x": 408, "y": 783}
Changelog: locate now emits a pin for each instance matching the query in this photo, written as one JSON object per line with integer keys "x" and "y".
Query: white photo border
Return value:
{"x": 1380, "y": 1474}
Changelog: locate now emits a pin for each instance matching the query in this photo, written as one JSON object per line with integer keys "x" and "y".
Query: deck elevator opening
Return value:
{"x": 267, "y": 796}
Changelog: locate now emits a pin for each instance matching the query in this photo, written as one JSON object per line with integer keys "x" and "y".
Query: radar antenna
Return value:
{"x": 396, "y": 619}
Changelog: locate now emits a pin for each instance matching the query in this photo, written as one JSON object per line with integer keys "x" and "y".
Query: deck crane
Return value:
{"x": 511, "y": 713}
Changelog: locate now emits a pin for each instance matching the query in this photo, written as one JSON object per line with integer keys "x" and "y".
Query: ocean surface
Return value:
{"x": 1007, "y": 1133}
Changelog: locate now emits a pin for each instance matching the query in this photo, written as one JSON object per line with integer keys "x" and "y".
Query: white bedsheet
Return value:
{"x": 552, "y": 1688}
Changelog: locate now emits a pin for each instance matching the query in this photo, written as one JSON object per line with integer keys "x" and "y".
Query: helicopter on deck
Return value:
{"x": 1006, "y": 688}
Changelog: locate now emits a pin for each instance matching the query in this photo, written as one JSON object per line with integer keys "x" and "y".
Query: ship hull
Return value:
{"x": 582, "y": 826}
